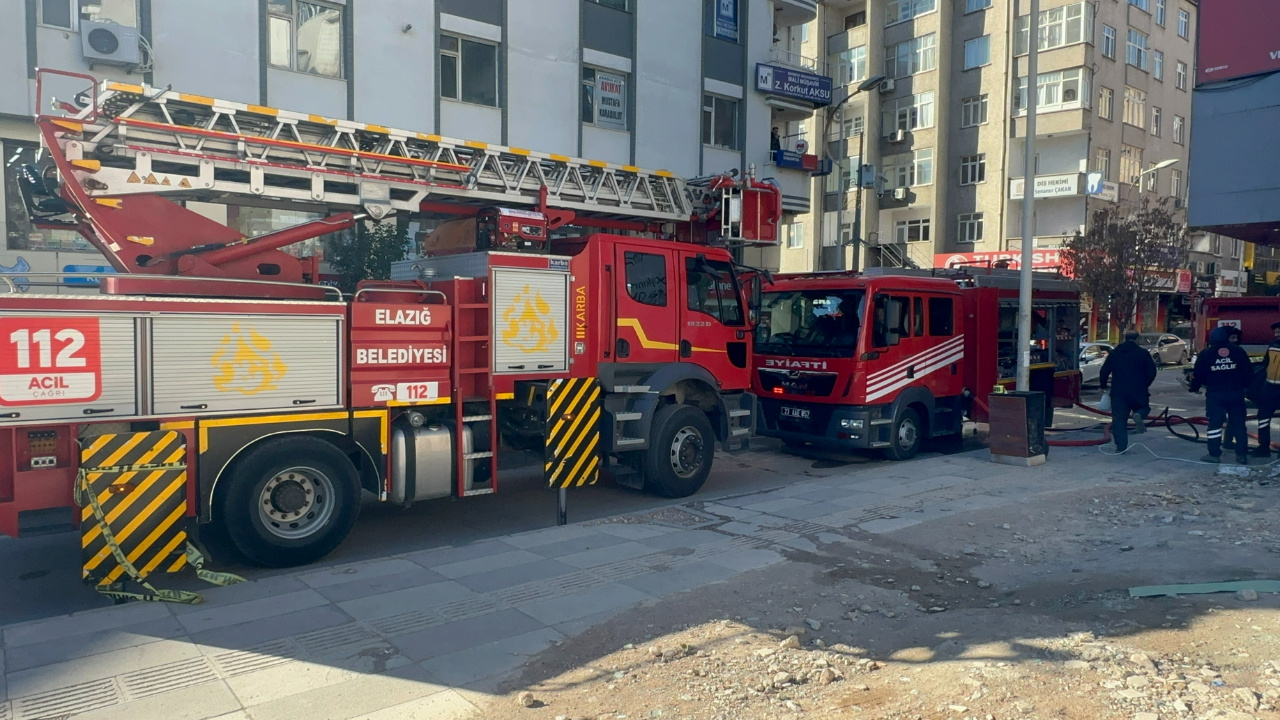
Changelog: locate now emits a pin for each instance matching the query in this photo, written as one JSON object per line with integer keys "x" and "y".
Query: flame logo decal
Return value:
{"x": 246, "y": 364}
{"x": 530, "y": 326}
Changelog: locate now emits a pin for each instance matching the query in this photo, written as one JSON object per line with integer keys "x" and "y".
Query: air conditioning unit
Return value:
{"x": 897, "y": 136}
{"x": 1179, "y": 203}
{"x": 103, "y": 42}
{"x": 900, "y": 193}
{"x": 1199, "y": 267}
{"x": 886, "y": 85}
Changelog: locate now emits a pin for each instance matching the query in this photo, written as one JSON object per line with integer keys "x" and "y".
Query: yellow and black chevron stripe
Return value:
{"x": 138, "y": 484}
{"x": 573, "y": 432}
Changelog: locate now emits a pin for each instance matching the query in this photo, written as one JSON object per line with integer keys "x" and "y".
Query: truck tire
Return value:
{"x": 680, "y": 451}
{"x": 904, "y": 441}
{"x": 290, "y": 502}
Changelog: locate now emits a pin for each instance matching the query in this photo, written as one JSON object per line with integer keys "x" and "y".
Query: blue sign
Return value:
{"x": 726, "y": 20}
{"x": 85, "y": 269}
{"x": 1093, "y": 184}
{"x": 791, "y": 83}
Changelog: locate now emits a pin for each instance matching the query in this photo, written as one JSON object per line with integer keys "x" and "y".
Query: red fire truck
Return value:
{"x": 888, "y": 358}
{"x": 212, "y": 378}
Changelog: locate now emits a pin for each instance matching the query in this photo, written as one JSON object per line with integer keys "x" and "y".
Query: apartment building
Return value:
{"x": 945, "y": 132}
{"x": 661, "y": 84}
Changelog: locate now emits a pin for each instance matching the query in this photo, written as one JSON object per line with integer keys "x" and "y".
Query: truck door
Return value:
{"x": 713, "y": 323}
{"x": 645, "y": 305}
{"x": 947, "y": 380}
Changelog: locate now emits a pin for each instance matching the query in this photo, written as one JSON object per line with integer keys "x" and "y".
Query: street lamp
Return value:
{"x": 863, "y": 86}
{"x": 1155, "y": 168}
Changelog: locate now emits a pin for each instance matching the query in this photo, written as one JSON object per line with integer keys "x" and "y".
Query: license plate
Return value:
{"x": 798, "y": 413}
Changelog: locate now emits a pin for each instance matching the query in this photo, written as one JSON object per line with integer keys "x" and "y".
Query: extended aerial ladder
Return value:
{"x": 129, "y": 154}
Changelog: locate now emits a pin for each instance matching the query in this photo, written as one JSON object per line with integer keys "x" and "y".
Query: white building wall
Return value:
{"x": 470, "y": 122}
{"x": 221, "y": 60}
{"x": 543, "y": 75}
{"x": 394, "y": 80}
{"x": 307, "y": 93}
{"x": 669, "y": 85}
{"x": 607, "y": 145}
{"x": 13, "y": 59}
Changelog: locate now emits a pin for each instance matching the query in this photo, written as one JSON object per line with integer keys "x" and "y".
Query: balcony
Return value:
{"x": 787, "y": 13}
{"x": 782, "y": 56}
{"x": 792, "y": 166}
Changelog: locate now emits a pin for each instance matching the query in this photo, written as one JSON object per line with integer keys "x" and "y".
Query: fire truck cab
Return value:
{"x": 889, "y": 358}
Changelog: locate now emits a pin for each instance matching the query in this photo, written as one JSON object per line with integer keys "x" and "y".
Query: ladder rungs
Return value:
{"x": 477, "y": 455}
{"x": 476, "y": 418}
{"x": 627, "y": 416}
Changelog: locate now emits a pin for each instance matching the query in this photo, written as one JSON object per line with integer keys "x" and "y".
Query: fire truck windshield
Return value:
{"x": 810, "y": 323}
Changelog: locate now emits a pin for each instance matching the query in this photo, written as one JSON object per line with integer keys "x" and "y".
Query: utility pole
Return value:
{"x": 857, "y": 200}
{"x": 865, "y": 85}
{"x": 1028, "y": 201}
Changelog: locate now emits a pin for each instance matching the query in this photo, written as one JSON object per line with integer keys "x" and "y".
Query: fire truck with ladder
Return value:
{"x": 597, "y": 319}
{"x": 888, "y": 358}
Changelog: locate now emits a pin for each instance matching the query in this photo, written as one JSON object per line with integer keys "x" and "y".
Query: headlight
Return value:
{"x": 847, "y": 424}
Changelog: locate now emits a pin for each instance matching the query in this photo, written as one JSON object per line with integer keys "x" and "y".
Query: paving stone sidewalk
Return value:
{"x": 419, "y": 635}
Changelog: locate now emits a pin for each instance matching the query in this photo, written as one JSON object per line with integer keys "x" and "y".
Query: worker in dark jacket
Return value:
{"x": 1223, "y": 369}
{"x": 1267, "y": 393}
{"x": 1133, "y": 371}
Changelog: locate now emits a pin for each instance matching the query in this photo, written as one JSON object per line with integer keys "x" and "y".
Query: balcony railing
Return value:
{"x": 780, "y": 54}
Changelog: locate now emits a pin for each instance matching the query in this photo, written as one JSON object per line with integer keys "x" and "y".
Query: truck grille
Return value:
{"x": 798, "y": 382}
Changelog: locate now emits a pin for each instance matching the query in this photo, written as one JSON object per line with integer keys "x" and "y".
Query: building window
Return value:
{"x": 59, "y": 13}
{"x": 1237, "y": 248}
{"x": 468, "y": 70}
{"x": 1175, "y": 183}
{"x": 1061, "y": 90}
{"x": 912, "y": 56}
{"x": 1157, "y": 64}
{"x": 1217, "y": 245}
{"x": 1144, "y": 5}
{"x": 976, "y": 5}
{"x": 646, "y": 278}
{"x": 1178, "y": 124}
{"x": 849, "y": 127}
{"x": 1135, "y": 107}
{"x": 1155, "y": 121}
{"x": 850, "y": 66}
{"x": 305, "y": 36}
{"x": 1137, "y": 50}
{"x": 857, "y": 19}
{"x": 712, "y": 290}
{"x": 623, "y": 5}
{"x": 18, "y": 227}
{"x": 977, "y": 52}
{"x": 911, "y": 230}
{"x": 910, "y": 169}
{"x": 909, "y": 113}
{"x": 1130, "y": 164}
{"x": 896, "y": 11}
{"x": 604, "y": 98}
{"x": 1102, "y": 163}
{"x": 1160, "y": 13}
{"x": 973, "y": 111}
{"x": 973, "y": 169}
{"x": 1151, "y": 176}
{"x": 1106, "y": 103}
{"x": 720, "y": 122}
{"x": 1184, "y": 24}
{"x": 1180, "y": 75}
{"x": 970, "y": 228}
{"x": 844, "y": 177}
{"x": 1108, "y": 42}
{"x": 795, "y": 235}
{"x": 1059, "y": 27}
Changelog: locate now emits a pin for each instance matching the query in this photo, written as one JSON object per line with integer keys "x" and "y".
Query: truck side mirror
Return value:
{"x": 757, "y": 297}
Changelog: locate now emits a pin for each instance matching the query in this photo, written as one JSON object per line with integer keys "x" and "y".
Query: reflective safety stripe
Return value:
{"x": 572, "y": 454}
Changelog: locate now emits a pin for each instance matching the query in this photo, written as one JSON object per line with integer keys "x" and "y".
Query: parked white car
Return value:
{"x": 1092, "y": 355}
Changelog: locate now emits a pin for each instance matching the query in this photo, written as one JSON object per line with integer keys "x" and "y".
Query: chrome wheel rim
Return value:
{"x": 686, "y": 452}
{"x": 907, "y": 434}
{"x": 296, "y": 503}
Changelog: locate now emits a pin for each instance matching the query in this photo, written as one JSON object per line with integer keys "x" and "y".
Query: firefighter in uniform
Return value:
{"x": 1223, "y": 370}
{"x": 1133, "y": 370}
{"x": 1267, "y": 393}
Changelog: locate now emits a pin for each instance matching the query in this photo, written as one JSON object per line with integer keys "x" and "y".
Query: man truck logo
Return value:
{"x": 246, "y": 364}
{"x": 530, "y": 326}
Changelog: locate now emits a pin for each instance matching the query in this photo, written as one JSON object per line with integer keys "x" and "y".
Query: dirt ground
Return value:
{"x": 1014, "y": 612}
